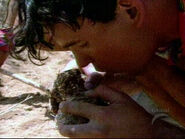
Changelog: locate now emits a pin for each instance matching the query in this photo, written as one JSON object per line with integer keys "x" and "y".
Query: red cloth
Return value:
{"x": 5, "y": 39}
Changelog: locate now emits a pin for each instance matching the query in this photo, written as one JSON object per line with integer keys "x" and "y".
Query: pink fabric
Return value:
{"x": 5, "y": 39}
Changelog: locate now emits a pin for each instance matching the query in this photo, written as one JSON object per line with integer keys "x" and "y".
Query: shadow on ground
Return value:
{"x": 35, "y": 101}
{"x": 37, "y": 98}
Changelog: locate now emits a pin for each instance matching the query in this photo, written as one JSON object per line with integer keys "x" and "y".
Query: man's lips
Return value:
{"x": 87, "y": 68}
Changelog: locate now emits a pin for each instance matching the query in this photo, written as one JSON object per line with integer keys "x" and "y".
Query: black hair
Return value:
{"x": 35, "y": 16}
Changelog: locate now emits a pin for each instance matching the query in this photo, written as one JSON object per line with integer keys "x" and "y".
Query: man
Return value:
{"x": 117, "y": 37}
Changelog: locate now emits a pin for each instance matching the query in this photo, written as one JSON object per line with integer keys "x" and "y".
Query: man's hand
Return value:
{"x": 122, "y": 118}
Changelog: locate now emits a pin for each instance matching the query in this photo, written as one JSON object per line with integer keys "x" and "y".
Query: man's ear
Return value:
{"x": 135, "y": 10}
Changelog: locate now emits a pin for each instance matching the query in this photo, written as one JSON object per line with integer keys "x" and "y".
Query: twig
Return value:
{"x": 14, "y": 106}
{"x": 24, "y": 80}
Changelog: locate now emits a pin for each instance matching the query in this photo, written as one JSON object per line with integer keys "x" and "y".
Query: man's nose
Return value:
{"x": 82, "y": 60}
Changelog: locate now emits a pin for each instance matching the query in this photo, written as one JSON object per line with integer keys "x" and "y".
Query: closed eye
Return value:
{"x": 76, "y": 43}
{"x": 71, "y": 43}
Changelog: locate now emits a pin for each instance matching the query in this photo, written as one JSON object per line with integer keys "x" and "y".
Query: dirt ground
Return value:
{"x": 31, "y": 118}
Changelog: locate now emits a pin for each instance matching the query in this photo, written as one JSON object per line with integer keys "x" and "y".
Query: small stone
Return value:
{"x": 29, "y": 109}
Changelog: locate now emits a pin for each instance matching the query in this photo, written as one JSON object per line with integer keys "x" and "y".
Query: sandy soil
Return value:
{"x": 30, "y": 119}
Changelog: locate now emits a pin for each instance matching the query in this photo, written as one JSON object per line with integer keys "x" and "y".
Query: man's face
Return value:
{"x": 114, "y": 47}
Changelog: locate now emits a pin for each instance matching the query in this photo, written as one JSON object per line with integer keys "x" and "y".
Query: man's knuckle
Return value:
{"x": 62, "y": 132}
{"x": 66, "y": 132}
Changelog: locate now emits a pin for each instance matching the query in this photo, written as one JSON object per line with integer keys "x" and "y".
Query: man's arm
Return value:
{"x": 165, "y": 87}
{"x": 123, "y": 118}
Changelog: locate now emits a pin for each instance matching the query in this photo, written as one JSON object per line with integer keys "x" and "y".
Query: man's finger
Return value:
{"x": 88, "y": 130}
{"x": 86, "y": 110}
{"x": 108, "y": 94}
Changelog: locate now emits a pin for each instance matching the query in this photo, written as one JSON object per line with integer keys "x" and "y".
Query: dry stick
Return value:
{"x": 24, "y": 80}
